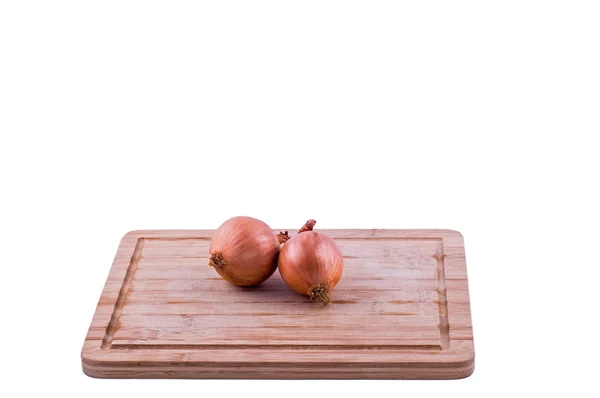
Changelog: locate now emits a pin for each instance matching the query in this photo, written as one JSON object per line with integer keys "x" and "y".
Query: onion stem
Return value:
{"x": 308, "y": 226}
{"x": 283, "y": 237}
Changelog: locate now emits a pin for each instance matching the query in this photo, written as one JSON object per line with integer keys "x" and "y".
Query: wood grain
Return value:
{"x": 401, "y": 310}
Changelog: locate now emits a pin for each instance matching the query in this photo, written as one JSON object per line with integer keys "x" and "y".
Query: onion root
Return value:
{"x": 216, "y": 260}
{"x": 320, "y": 293}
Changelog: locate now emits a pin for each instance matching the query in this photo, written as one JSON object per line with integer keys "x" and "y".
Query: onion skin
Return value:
{"x": 311, "y": 264}
{"x": 244, "y": 251}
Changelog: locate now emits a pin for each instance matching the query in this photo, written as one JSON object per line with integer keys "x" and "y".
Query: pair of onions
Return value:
{"x": 246, "y": 252}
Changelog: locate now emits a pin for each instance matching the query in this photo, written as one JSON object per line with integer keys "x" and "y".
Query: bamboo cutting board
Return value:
{"x": 401, "y": 310}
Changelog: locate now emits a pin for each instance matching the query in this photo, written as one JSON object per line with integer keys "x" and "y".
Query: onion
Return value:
{"x": 311, "y": 264}
{"x": 244, "y": 251}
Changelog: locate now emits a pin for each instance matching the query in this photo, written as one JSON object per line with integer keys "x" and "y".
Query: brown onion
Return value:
{"x": 244, "y": 251}
{"x": 311, "y": 264}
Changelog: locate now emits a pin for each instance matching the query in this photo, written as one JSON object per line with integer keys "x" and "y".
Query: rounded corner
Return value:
{"x": 88, "y": 372}
{"x": 133, "y": 232}
{"x": 86, "y": 356}
{"x": 89, "y": 353}
{"x": 471, "y": 370}
{"x": 131, "y": 235}
{"x": 91, "y": 372}
{"x": 462, "y": 362}
{"x": 468, "y": 364}
{"x": 467, "y": 372}
{"x": 456, "y": 233}
{"x": 89, "y": 362}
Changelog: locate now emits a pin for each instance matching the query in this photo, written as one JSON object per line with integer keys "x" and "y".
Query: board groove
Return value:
{"x": 123, "y": 293}
{"x": 294, "y": 347}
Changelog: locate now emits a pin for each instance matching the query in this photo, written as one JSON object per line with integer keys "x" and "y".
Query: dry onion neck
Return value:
{"x": 216, "y": 260}
{"x": 310, "y": 224}
{"x": 283, "y": 237}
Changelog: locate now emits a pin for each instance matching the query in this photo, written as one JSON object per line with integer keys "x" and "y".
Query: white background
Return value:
{"x": 470, "y": 115}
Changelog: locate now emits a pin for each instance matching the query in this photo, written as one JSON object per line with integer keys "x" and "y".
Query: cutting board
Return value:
{"x": 400, "y": 311}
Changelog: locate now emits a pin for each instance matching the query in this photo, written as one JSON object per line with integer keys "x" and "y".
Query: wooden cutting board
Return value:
{"x": 401, "y": 310}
